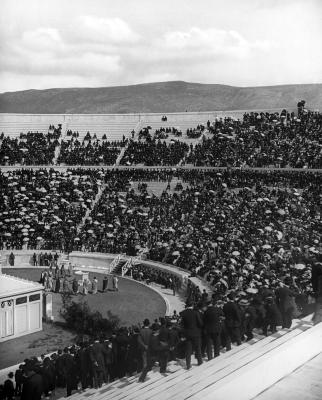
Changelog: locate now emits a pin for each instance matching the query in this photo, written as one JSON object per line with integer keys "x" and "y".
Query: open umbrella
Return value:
{"x": 299, "y": 266}
{"x": 235, "y": 253}
{"x": 266, "y": 246}
{"x": 252, "y": 290}
{"x": 279, "y": 235}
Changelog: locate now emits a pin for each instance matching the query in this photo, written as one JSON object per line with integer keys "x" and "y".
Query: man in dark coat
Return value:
{"x": 192, "y": 324}
{"x": 75, "y": 286}
{"x": 33, "y": 384}
{"x": 108, "y": 360}
{"x": 143, "y": 342}
{"x": 105, "y": 283}
{"x": 153, "y": 352}
{"x": 11, "y": 259}
{"x": 212, "y": 326}
{"x": 83, "y": 362}
{"x": 285, "y": 302}
{"x": 232, "y": 320}
{"x": 164, "y": 337}
{"x": 68, "y": 368}
{"x": 97, "y": 352}
{"x": 273, "y": 316}
{"x": 316, "y": 278}
{"x": 248, "y": 314}
{"x": 57, "y": 285}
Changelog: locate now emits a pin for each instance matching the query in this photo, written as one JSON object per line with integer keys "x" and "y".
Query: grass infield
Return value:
{"x": 132, "y": 303}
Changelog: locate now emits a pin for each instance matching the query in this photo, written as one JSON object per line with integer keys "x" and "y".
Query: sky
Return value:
{"x": 94, "y": 43}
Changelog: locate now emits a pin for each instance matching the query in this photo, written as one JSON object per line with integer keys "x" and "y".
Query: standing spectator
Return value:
{"x": 153, "y": 353}
{"x": 164, "y": 338}
{"x": 48, "y": 374}
{"x": 83, "y": 362}
{"x": 232, "y": 320}
{"x": 11, "y": 259}
{"x": 34, "y": 259}
{"x": 143, "y": 341}
{"x": 65, "y": 285}
{"x": 19, "y": 379}
{"x": 285, "y": 301}
{"x": 173, "y": 340}
{"x": 105, "y": 283}
{"x": 192, "y": 324}
{"x": 33, "y": 384}
{"x": 212, "y": 326}
{"x": 75, "y": 286}
{"x": 62, "y": 271}
{"x": 57, "y": 285}
{"x": 68, "y": 369}
{"x": 94, "y": 285}
{"x": 248, "y": 319}
{"x": 9, "y": 388}
{"x": 115, "y": 283}
{"x": 97, "y": 352}
{"x": 272, "y": 316}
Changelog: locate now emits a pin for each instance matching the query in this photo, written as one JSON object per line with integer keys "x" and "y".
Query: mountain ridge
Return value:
{"x": 160, "y": 97}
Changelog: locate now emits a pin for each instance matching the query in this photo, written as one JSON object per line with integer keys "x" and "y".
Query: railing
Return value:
{"x": 126, "y": 266}
{"x": 130, "y": 263}
{"x": 115, "y": 262}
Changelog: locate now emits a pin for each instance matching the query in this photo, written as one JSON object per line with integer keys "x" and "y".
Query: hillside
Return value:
{"x": 159, "y": 97}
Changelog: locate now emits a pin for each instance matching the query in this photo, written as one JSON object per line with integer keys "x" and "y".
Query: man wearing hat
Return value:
{"x": 153, "y": 353}
{"x": 192, "y": 324}
{"x": 143, "y": 341}
{"x": 272, "y": 317}
{"x": 248, "y": 314}
{"x": 285, "y": 302}
{"x": 97, "y": 353}
{"x": 232, "y": 319}
{"x": 212, "y": 320}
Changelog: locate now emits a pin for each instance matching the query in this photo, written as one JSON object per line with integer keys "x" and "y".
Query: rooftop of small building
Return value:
{"x": 11, "y": 286}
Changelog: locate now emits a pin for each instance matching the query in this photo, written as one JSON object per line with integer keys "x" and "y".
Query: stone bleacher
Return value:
{"x": 114, "y": 125}
{"x": 13, "y": 129}
{"x": 243, "y": 373}
{"x": 113, "y": 130}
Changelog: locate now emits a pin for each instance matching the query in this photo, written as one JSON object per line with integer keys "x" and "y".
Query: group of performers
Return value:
{"x": 63, "y": 280}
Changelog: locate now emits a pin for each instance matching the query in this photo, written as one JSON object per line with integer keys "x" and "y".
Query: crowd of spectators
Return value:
{"x": 154, "y": 152}
{"x": 263, "y": 140}
{"x": 195, "y": 133}
{"x": 254, "y": 236}
{"x": 89, "y": 152}
{"x": 210, "y": 323}
{"x": 41, "y": 208}
{"x": 147, "y": 274}
{"x": 32, "y": 148}
{"x": 258, "y": 140}
{"x": 242, "y": 229}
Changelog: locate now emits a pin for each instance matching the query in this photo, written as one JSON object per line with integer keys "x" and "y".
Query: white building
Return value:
{"x": 20, "y": 307}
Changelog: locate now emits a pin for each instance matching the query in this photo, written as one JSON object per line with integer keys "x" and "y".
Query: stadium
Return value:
{"x": 157, "y": 240}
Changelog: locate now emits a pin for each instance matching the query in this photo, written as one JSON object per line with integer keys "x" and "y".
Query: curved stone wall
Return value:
{"x": 100, "y": 261}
